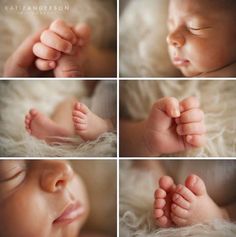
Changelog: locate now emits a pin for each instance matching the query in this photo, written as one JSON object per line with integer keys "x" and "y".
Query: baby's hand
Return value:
{"x": 174, "y": 126}
{"x": 58, "y": 39}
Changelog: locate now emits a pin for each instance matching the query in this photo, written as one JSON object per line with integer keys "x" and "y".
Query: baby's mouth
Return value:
{"x": 180, "y": 62}
{"x": 71, "y": 213}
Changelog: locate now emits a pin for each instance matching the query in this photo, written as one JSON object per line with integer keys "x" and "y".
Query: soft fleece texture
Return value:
{"x": 17, "y": 97}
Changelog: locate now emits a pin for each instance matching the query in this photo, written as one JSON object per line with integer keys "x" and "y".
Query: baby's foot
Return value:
{"x": 192, "y": 205}
{"x": 75, "y": 63}
{"x": 87, "y": 124}
{"x": 163, "y": 199}
{"x": 42, "y": 127}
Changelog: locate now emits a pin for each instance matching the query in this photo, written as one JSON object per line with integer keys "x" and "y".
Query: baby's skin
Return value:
{"x": 86, "y": 124}
{"x": 184, "y": 205}
{"x": 174, "y": 126}
{"x": 63, "y": 49}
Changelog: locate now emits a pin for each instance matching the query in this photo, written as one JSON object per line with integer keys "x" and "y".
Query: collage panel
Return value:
{"x": 185, "y": 118}
{"x": 52, "y": 118}
{"x": 177, "y": 198}
{"x": 60, "y": 198}
{"x": 58, "y": 38}
{"x": 177, "y": 38}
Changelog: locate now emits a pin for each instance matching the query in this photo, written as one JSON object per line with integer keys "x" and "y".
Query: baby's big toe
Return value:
{"x": 196, "y": 185}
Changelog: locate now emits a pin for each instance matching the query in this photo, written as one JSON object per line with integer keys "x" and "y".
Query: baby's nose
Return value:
{"x": 175, "y": 39}
{"x": 56, "y": 175}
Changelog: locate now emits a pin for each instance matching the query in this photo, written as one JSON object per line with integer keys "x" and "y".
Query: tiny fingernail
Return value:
{"x": 175, "y": 113}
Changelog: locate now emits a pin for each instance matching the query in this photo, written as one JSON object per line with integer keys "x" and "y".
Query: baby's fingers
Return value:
{"x": 191, "y": 129}
{"x": 191, "y": 102}
{"x": 168, "y": 105}
{"x": 83, "y": 32}
{"x": 45, "y": 65}
{"x": 196, "y": 140}
{"x": 190, "y": 116}
{"x": 54, "y": 41}
{"x": 63, "y": 30}
{"x": 42, "y": 51}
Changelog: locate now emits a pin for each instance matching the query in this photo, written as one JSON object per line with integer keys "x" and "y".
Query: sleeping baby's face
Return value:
{"x": 202, "y": 35}
{"x": 41, "y": 199}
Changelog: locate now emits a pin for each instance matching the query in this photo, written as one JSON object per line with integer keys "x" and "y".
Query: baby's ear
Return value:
{"x": 83, "y": 32}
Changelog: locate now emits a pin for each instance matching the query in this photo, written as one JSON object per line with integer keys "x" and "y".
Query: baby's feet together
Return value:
{"x": 63, "y": 48}
{"x": 87, "y": 124}
{"x": 189, "y": 204}
{"x": 174, "y": 126}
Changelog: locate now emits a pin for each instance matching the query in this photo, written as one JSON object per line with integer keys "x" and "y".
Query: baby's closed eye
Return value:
{"x": 12, "y": 174}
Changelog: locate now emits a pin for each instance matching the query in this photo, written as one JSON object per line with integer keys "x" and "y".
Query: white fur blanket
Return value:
{"x": 217, "y": 99}
{"x": 19, "y": 18}
{"x": 136, "y": 205}
{"x": 17, "y": 97}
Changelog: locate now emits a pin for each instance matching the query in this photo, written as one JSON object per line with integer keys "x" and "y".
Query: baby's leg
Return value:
{"x": 87, "y": 124}
{"x": 192, "y": 205}
{"x": 163, "y": 199}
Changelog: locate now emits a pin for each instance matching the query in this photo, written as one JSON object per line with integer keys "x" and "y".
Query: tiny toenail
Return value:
{"x": 194, "y": 181}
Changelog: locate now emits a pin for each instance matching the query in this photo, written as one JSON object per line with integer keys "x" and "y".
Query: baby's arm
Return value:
{"x": 170, "y": 127}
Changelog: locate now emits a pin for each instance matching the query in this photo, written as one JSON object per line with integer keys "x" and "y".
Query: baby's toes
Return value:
{"x": 159, "y": 203}
{"x": 80, "y": 126}
{"x": 179, "y": 211}
{"x": 163, "y": 222}
{"x": 160, "y": 193}
{"x": 158, "y": 213}
{"x": 178, "y": 220}
{"x": 196, "y": 140}
{"x": 191, "y": 128}
{"x": 81, "y": 107}
{"x": 185, "y": 193}
{"x": 180, "y": 201}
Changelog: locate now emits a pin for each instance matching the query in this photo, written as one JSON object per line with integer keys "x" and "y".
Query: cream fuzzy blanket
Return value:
{"x": 217, "y": 99}
{"x": 143, "y": 47}
{"x": 136, "y": 203}
{"x": 19, "y": 18}
{"x": 17, "y": 97}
